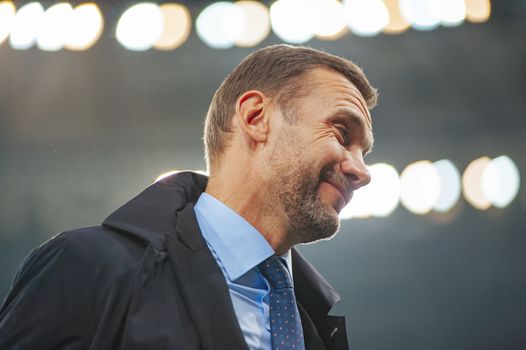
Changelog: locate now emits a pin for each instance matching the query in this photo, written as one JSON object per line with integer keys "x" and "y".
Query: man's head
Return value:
{"x": 287, "y": 131}
{"x": 279, "y": 72}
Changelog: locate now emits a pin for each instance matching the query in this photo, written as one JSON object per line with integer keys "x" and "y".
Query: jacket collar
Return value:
{"x": 150, "y": 216}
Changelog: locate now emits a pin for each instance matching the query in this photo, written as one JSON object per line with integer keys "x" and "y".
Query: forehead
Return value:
{"x": 332, "y": 90}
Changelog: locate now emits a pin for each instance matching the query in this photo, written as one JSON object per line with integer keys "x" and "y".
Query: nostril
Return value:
{"x": 353, "y": 178}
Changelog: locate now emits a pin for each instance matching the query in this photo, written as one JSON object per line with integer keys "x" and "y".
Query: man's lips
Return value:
{"x": 344, "y": 193}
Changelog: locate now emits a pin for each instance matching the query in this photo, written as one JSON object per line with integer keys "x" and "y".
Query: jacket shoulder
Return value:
{"x": 63, "y": 282}
{"x": 103, "y": 245}
{"x": 95, "y": 248}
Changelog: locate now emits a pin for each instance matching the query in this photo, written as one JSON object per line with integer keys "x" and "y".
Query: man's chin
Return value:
{"x": 334, "y": 209}
{"x": 325, "y": 236}
{"x": 323, "y": 226}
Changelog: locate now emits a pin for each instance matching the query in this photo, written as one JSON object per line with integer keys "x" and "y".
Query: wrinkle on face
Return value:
{"x": 347, "y": 91}
{"x": 351, "y": 96}
{"x": 340, "y": 102}
{"x": 355, "y": 125}
{"x": 322, "y": 132}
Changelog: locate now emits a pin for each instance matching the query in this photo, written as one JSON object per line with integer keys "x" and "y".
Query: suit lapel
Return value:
{"x": 311, "y": 336}
{"x": 315, "y": 298}
{"x": 203, "y": 286}
{"x": 334, "y": 333}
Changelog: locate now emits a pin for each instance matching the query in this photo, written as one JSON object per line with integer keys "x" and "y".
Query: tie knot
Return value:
{"x": 275, "y": 273}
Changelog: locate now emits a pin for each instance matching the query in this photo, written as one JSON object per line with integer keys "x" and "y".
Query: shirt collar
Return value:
{"x": 288, "y": 262}
{"x": 238, "y": 245}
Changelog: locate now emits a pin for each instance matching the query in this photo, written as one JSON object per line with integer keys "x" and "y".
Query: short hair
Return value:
{"x": 277, "y": 71}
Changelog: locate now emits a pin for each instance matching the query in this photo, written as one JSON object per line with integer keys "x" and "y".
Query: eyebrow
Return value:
{"x": 351, "y": 118}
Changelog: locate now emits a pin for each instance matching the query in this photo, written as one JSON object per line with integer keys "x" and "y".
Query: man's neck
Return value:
{"x": 248, "y": 199}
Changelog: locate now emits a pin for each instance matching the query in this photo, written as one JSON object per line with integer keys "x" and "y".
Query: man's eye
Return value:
{"x": 344, "y": 135}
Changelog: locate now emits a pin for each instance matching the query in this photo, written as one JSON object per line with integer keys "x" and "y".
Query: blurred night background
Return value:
{"x": 82, "y": 132}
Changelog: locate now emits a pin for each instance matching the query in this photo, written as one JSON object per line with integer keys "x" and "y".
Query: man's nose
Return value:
{"x": 356, "y": 171}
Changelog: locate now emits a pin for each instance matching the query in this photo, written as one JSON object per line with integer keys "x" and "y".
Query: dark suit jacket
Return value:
{"x": 145, "y": 279}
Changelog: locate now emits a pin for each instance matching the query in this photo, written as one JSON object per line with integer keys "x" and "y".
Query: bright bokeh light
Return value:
{"x": 449, "y": 184}
{"x": 453, "y": 12}
{"x": 332, "y": 19}
{"x": 379, "y": 198}
{"x": 220, "y": 24}
{"x": 256, "y": 24}
{"x": 85, "y": 27}
{"x": 294, "y": 21}
{"x": 422, "y": 14}
{"x": 420, "y": 187}
{"x": 478, "y": 11}
{"x": 472, "y": 183}
{"x": 500, "y": 181}
{"x": 384, "y": 189}
{"x": 140, "y": 26}
{"x": 177, "y": 26}
{"x": 366, "y": 17}
{"x": 25, "y": 26}
{"x": 397, "y": 23}
{"x": 7, "y": 17}
{"x": 358, "y": 207}
{"x": 54, "y": 27}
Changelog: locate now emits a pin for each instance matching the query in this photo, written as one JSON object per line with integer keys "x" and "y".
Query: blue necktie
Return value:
{"x": 285, "y": 323}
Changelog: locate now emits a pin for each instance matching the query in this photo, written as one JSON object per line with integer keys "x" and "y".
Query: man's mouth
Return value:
{"x": 339, "y": 183}
{"x": 344, "y": 195}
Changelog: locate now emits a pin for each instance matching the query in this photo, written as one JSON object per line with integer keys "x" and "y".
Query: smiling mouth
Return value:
{"x": 342, "y": 196}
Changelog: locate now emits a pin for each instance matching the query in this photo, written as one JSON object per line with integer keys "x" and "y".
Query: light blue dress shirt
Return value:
{"x": 238, "y": 248}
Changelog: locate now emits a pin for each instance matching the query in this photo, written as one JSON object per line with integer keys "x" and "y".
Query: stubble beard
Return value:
{"x": 296, "y": 190}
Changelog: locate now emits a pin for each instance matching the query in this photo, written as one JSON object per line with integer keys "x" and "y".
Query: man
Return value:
{"x": 197, "y": 263}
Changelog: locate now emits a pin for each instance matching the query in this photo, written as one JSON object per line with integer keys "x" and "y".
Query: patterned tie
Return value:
{"x": 285, "y": 322}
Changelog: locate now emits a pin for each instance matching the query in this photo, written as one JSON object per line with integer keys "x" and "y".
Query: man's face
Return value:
{"x": 317, "y": 162}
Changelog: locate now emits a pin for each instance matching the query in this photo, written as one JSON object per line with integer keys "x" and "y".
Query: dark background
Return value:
{"x": 81, "y": 133}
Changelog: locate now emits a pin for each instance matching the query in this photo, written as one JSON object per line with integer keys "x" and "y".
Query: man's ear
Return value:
{"x": 251, "y": 108}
